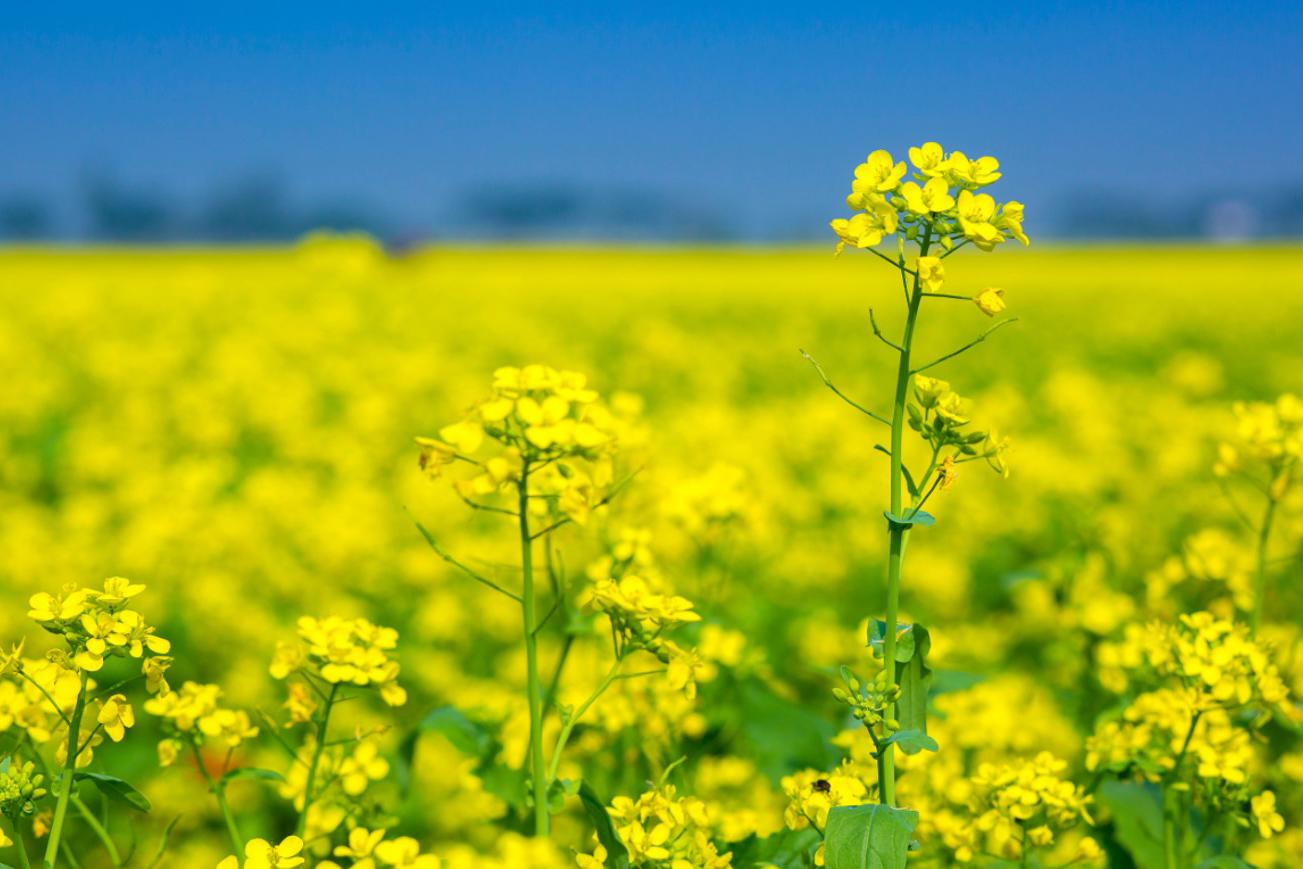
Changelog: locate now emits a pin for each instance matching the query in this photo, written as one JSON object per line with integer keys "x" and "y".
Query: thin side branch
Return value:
{"x": 828, "y": 383}
{"x": 606, "y": 499}
{"x": 970, "y": 345}
{"x": 442, "y": 553}
{"x": 873, "y": 321}
{"x": 894, "y": 263}
{"x": 947, "y": 296}
{"x": 475, "y": 505}
{"x": 955, "y": 248}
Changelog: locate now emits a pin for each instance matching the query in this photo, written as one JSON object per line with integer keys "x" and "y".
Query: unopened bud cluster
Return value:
{"x": 20, "y": 788}
{"x": 870, "y": 700}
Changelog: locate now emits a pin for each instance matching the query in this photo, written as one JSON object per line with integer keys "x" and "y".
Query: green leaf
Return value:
{"x": 909, "y": 519}
{"x": 915, "y": 679}
{"x": 465, "y": 735}
{"x": 1137, "y": 820}
{"x": 868, "y": 837}
{"x": 451, "y": 723}
{"x": 787, "y": 849}
{"x": 1223, "y": 861}
{"x": 946, "y": 681}
{"x": 911, "y": 741}
{"x": 559, "y": 790}
{"x": 780, "y": 733}
{"x": 904, "y": 640}
{"x": 116, "y": 789}
{"x": 617, "y": 856}
{"x": 251, "y": 772}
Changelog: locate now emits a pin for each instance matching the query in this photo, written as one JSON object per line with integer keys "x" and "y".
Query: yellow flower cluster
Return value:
{"x": 369, "y": 848}
{"x": 343, "y": 651}
{"x": 639, "y": 608}
{"x": 20, "y": 788}
{"x": 940, "y": 202}
{"x": 1025, "y": 804}
{"x": 941, "y": 415}
{"x": 1269, "y": 435}
{"x": 1214, "y": 658}
{"x": 662, "y": 831}
{"x": 193, "y": 714}
{"x": 811, "y": 794}
{"x": 1163, "y": 729}
{"x": 552, "y": 433}
{"x": 97, "y": 624}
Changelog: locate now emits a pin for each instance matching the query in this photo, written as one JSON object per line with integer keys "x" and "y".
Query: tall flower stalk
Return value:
{"x": 932, "y": 216}
{"x": 553, "y": 461}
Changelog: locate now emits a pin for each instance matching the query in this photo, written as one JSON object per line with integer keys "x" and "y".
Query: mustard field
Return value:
{"x": 325, "y": 641}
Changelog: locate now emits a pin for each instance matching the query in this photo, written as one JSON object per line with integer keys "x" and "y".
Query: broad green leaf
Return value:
{"x": 915, "y": 679}
{"x": 116, "y": 789}
{"x": 788, "y": 849}
{"x": 252, "y": 772}
{"x": 946, "y": 681}
{"x": 1223, "y": 861}
{"x": 868, "y": 837}
{"x": 911, "y": 741}
{"x": 1137, "y": 819}
{"x": 451, "y": 723}
{"x": 617, "y": 856}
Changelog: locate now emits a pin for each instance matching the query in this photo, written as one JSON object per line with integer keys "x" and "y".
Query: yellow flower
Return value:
{"x": 934, "y": 196}
{"x": 405, "y": 852}
{"x": 361, "y": 847}
{"x": 117, "y": 590}
{"x": 866, "y": 229}
{"x": 931, "y": 272}
{"x": 1269, "y": 820}
{"x": 63, "y": 607}
{"x": 929, "y": 160}
{"x": 990, "y": 301}
{"x": 361, "y": 768}
{"x": 116, "y": 716}
{"x": 972, "y": 173}
{"x": 975, "y": 213}
{"x": 261, "y": 854}
{"x": 877, "y": 174}
{"x": 1010, "y": 220}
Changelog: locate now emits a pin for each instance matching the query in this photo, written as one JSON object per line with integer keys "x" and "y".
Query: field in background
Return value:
{"x": 234, "y": 430}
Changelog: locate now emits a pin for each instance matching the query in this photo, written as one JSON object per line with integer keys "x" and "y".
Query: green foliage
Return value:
{"x": 617, "y": 856}
{"x": 868, "y": 837}
{"x": 116, "y": 789}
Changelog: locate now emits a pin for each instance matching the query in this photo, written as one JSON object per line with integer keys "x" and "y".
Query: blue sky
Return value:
{"x": 756, "y": 110}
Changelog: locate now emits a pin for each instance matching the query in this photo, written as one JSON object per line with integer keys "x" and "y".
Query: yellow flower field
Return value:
{"x": 236, "y": 431}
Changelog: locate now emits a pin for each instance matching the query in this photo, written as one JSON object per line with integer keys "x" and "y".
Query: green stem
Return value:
{"x": 896, "y": 548}
{"x": 311, "y": 783}
{"x": 1260, "y": 580}
{"x": 1172, "y": 856}
{"x": 219, "y": 792}
{"x": 99, "y": 830}
{"x": 538, "y": 773}
{"x": 564, "y": 736}
{"x": 66, "y": 777}
{"x": 21, "y": 846}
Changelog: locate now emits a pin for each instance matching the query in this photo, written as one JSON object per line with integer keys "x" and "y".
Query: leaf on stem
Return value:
{"x": 868, "y": 837}
{"x": 116, "y": 789}
{"x": 910, "y": 519}
{"x": 911, "y": 741}
{"x": 617, "y": 856}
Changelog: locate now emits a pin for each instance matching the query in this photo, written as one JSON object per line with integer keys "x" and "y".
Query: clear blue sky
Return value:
{"x": 753, "y": 108}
